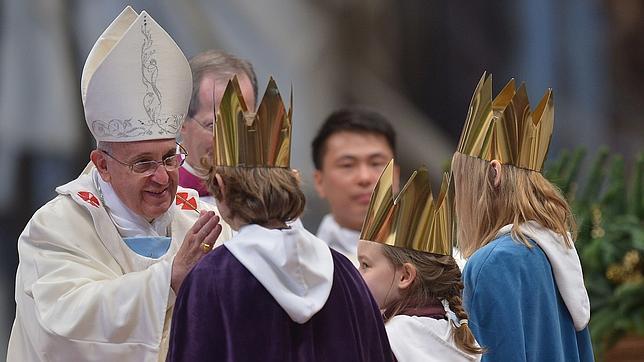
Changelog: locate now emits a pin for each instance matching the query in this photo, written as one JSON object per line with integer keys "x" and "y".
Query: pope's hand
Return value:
{"x": 198, "y": 241}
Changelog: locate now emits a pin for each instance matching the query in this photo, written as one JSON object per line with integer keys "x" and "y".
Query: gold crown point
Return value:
{"x": 444, "y": 223}
{"x": 380, "y": 206}
{"x": 260, "y": 139}
{"x": 412, "y": 219}
{"x": 477, "y": 130}
{"x": 503, "y": 99}
{"x": 511, "y": 121}
{"x": 233, "y": 92}
{"x": 544, "y": 108}
{"x": 541, "y": 130}
{"x": 472, "y": 110}
{"x": 507, "y": 130}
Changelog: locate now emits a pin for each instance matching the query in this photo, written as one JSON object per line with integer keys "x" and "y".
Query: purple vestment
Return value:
{"x": 188, "y": 180}
{"x": 223, "y": 313}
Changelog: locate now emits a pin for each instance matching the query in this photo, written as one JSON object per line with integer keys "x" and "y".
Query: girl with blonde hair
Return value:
{"x": 524, "y": 287}
{"x": 405, "y": 259}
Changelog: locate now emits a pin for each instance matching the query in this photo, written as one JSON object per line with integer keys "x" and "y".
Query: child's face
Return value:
{"x": 379, "y": 273}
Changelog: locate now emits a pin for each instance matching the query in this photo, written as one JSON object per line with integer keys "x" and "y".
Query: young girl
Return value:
{"x": 273, "y": 292}
{"x": 415, "y": 280}
{"x": 524, "y": 287}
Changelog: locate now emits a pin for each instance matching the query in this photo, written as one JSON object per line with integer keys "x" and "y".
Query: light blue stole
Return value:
{"x": 149, "y": 246}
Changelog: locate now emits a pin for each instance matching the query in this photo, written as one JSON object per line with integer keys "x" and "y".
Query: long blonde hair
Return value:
{"x": 437, "y": 277}
{"x": 522, "y": 195}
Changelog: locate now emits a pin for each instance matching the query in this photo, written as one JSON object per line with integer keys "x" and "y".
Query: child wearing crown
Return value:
{"x": 524, "y": 288}
{"x": 405, "y": 259}
{"x": 273, "y": 292}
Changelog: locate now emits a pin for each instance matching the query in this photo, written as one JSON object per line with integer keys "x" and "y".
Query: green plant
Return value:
{"x": 610, "y": 216}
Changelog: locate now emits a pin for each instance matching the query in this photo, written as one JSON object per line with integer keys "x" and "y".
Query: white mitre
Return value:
{"x": 136, "y": 83}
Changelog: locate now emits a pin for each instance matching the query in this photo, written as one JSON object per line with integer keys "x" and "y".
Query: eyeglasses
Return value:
{"x": 148, "y": 168}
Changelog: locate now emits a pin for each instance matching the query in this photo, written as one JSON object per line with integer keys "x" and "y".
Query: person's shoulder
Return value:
{"x": 190, "y": 197}
{"x": 347, "y": 277}
{"x": 218, "y": 264}
{"x": 61, "y": 222}
{"x": 60, "y": 207}
{"x": 340, "y": 260}
{"x": 503, "y": 254}
{"x": 422, "y": 336}
{"x": 397, "y": 327}
{"x": 503, "y": 258}
{"x": 324, "y": 229}
{"x": 400, "y": 323}
{"x": 502, "y": 248}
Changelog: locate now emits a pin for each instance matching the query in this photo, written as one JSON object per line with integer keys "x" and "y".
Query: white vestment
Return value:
{"x": 424, "y": 339}
{"x": 82, "y": 294}
{"x": 340, "y": 239}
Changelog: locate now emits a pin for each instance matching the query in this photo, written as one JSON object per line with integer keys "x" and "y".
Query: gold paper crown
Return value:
{"x": 262, "y": 139}
{"x": 413, "y": 219}
{"x": 505, "y": 129}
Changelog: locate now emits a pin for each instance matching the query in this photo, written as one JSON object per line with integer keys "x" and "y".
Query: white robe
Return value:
{"x": 424, "y": 339}
{"x": 340, "y": 239}
{"x": 82, "y": 294}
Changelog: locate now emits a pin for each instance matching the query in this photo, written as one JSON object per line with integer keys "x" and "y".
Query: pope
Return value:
{"x": 100, "y": 263}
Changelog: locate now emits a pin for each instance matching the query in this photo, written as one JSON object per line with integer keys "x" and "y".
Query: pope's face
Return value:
{"x": 147, "y": 196}
{"x": 351, "y": 165}
{"x": 197, "y": 131}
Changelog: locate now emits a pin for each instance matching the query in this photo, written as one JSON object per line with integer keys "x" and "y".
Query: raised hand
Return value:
{"x": 197, "y": 243}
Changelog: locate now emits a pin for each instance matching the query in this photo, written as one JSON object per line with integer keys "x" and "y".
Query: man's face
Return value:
{"x": 197, "y": 132}
{"x": 149, "y": 196}
{"x": 351, "y": 165}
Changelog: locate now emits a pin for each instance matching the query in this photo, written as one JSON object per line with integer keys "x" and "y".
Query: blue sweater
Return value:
{"x": 515, "y": 309}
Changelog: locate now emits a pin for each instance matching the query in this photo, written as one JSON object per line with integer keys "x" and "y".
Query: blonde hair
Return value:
{"x": 259, "y": 195}
{"x": 522, "y": 195}
{"x": 437, "y": 277}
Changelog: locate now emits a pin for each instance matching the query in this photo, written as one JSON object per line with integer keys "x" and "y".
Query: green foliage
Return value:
{"x": 610, "y": 215}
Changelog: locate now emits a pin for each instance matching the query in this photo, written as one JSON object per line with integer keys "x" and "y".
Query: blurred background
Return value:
{"x": 415, "y": 61}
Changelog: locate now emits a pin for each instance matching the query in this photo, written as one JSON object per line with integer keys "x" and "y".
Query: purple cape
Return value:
{"x": 223, "y": 313}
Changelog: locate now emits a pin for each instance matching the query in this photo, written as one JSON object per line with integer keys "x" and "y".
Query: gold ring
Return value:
{"x": 205, "y": 247}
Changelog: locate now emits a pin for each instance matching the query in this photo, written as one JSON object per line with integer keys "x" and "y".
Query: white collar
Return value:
{"x": 566, "y": 268}
{"x": 192, "y": 170}
{"x": 292, "y": 264}
{"x": 128, "y": 223}
{"x": 340, "y": 239}
{"x": 424, "y": 339}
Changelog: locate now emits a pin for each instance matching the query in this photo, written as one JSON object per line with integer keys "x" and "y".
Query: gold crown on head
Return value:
{"x": 413, "y": 219}
{"x": 505, "y": 129}
{"x": 246, "y": 139}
